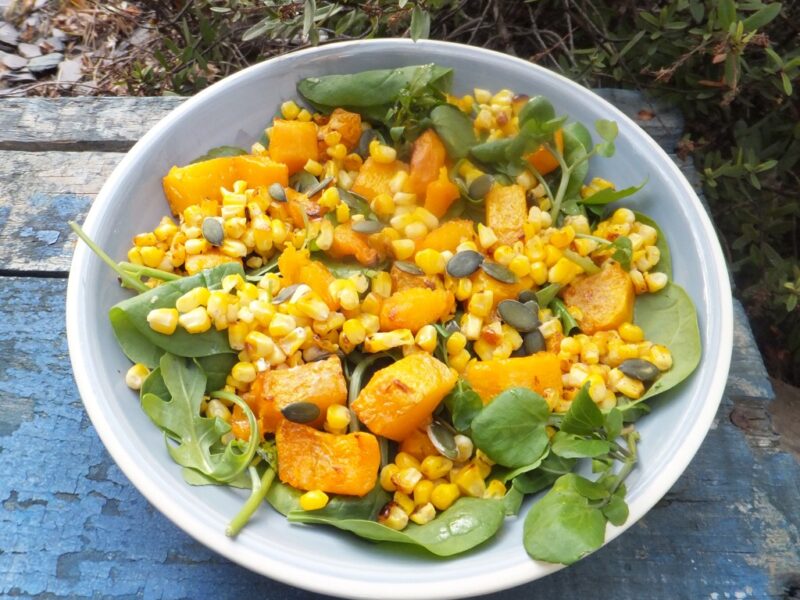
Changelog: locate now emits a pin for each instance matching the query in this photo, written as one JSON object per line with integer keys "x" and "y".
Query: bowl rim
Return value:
{"x": 467, "y": 585}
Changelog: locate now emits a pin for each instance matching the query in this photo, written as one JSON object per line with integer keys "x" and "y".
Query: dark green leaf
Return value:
{"x": 762, "y": 17}
{"x": 613, "y": 424}
{"x": 137, "y": 347}
{"x": 216, "y": 367}
{"x": 575, "y": 154}
{"x": 219, "y": 152}
{"x": 539, "y": 109}
{"x": 568, "y": 445}
{"x": 616, "y": 511}
{"x": 623, "y": 252}
{"x": 491, "y": 152}
{"x": 559, "y": 309}
{"x": 283, "y": 498}
{"x": 552, "y": 467}
{"x": 464, "y": 404}
{"x": 580, "y": 132}
{"x": 512, "y": 501}
{"x": 455, "y": 130}
{"x": 609, "y": 195}
{"x": 583, "y": 416}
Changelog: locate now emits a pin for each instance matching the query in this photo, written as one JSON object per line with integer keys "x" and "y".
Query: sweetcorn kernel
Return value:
{"x": 314, "y": 500}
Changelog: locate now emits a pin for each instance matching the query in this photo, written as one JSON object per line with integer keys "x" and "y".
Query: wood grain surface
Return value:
{"x": 72, "y": 526}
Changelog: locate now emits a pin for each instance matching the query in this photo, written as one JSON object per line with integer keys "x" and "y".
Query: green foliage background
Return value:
{"x": 731, "y": 66}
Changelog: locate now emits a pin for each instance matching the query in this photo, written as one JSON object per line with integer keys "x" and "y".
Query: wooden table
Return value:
{"x": 71, "y": 525}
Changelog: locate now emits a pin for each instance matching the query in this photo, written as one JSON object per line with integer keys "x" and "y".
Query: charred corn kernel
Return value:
{"x": 163, "y": 320}
{"x": 459, "y": 361}
{"x": 415, "y": 230}
{"x": 621, "y": 215}
{"x": 386, "y": 475}
{"x": 135, "y": 256}
{"x": 393, "y": 517}
{"x": 563, "y": 237}
{"x": 495, "y": 489}
{"x": 404, "y": 501}
{"x": 258, "y": 344}
{"x": 655, "y": 282}
{"x": 435, "y": 467}
{"x": 151, "y": 256}
{"x": 196, "y": 320}
{"x": 337, "y": 418}
{"x": 481, "y": 304}
{"x": 456, "y": 342}
{"x": 192, "y": 299}
{"x": 423, "y": 514}
{"x": 444, "y": 494}
{"x": 463, "y": 289}
{"x": 471, "y": 325}
{"x": 145, "y": 239}
{"x": 290, "y": 110}
{"x": 244, "y": 372}
{"x": 631, "y": 333}
{"x": 464, "y": 446}
{"x": 470, "y": 481}
{"x": 422, "y": 492}
{"x": 381, "y": 153}
{"x": 403, "y": 249}
{"x": 406, "y": 478}
{"x": 304, "y": 115}
{"x": 313, "y": 500}
{"x": 563, "y": 272}
{"x": 430, "y": 261}
{"x": 427, "y": 338}
{"x": 539, "y": 272}
{"x": 661, "y": 357}
{"x": 281, "y": 325}
{"x": 382, "y": 284}
{"x": 639, "y": 283}
{"x": 486, "y": 236}
{"x": 632, "y": 388}
{"x": 380, "y": 341}
{"x": 520, "y": 265}
{"x": 135, "y": 376}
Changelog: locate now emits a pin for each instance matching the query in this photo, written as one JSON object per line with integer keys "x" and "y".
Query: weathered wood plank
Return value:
{"x": 728, "y": 529}
{"x": 110, "y": 124}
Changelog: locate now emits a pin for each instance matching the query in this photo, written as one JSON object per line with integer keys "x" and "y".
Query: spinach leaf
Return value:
{"x": 512, "y": 501}
{"x": 511, "y": 428}
{"x": 552, "y": 467}
{"x": 669, "y": 318}
{"x": 665, "y": 262}
{"x": 283, "y": 498}
{"x": 216, "y": 367}
{"x": 132, "y": 314}
{"x": 464, "y": 404}
{"x": 466, "y": 524}
{"x": 559, "y": 309}
{"x": 341, "y": 508}
{"x": 134, "y": 345}
{"x": 454, "y": 128}
{"x": 609, "y": 195}
{"x": 220, "y": 152}
{"x": 568, "y": 445}
{"x": 491, "y": 152}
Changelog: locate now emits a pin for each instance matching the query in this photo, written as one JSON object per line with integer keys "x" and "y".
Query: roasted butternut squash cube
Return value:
{"x": 542, "y": 159}
{"x": 192, "y": 184}
{"x": 293, "y": 143}
{"x": 374, "y": 178}
{"x": 401, "y": 397}
{"x": 347, "y": 242}
{"x": 605, "y": 299}
{"x": 413, "y": 308}
{"x": 296, "y": 266}
{"x": 440, "y": 194}
{"x": 537, "y": 372}
{"x": 449, "y": 235}
{"x": 506, "y": 212}
{"x": 321, "y": 383}
{"x": 418, "y": 444}
{"x": 427, "y": 157}
{"x": 309, "y": 459}
{"x": 345, "y": 123}
{"x": 402, "y": 280}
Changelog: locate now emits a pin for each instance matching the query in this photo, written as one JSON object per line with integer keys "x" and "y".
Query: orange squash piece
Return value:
{"x": 293, "y": 143}
{"x": 440, "y": 194}
{"x": 401, "y": 280}
{"x": 605, "y": 298}
{"x": 401, "y": 397}
{"x": 345, "y": 123}
{"x": 418, "y": 445}
{"x": 427, "y": 158}
{"x": 321, "y": 382}
{"x": 537, "y": 372}
{"x": 347, "y": 242}
{"x": 208, "y": 260}
{"x": 374, "y": 178}
{"x": 449, "y": 235}
{"x": 240, "y": 426}
{"x": 296, "y": 266}
{"x": 185, "y": 186}
{"x": 543, "y": 160}
{"x": 338, "y": 464}
{"x": 506, "y": 212}
{"x": 413, "y": 308}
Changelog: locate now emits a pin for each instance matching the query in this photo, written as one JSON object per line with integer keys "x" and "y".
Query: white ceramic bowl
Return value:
{"x": 234, "y": 111}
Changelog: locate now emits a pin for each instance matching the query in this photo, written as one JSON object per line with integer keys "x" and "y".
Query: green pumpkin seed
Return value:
{"x": 464, "y": 263}
{"x": 363, "y": 142}
{"x": 443, "y": 440}
{"x": 533, "y": 305}
{"x": 285, "y": 293}
{"x": 640, "y": 369}
{"x": 300, "y": 412}
{"x": 213, "y": 232}
{"x": 533, "y": 342}
{"x": 526, "y": 296}
{"x": 452, "y": 326}
{"x": 408, "y": 267}
{"x": 367, "y": 226}
{"x": 499, "y": 272}
{"x": 518, "y": 315}
{"x": 316, "y": 189}
{"x": 481, "y": 186}
{"x": 277, "y": 192}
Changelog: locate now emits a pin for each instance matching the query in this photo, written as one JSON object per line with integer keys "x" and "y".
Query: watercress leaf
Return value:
{"x": 569, "y": 445}
{"x": 632, "y": 411}
{"x": 608, "y": 130}
{"x": 669, "y": 318}
{"x": 552, "y": 467}
{"x": 134, "y": 345}
{"x": 464, "y": 404}
{"x": 613, "y": 424}
{"x": 466, "y": 524}
{"x": 563, "y": 527}
{"x": 559, "y": 309}
{"x": 216, "y": 367}
{"x": 664, "y": 264}
{"x": 538, "y": 108}
{"x": 623, "y": 252}
{"x": 511, "y": 428}
{"x": 616, "y": 511}
{"x": 505, "y": 474}
{"x": 512, "y": 501}
{"x": 575, "y": 157}
{"x": 547, "y": 294}
{"x": 220, "y": 152}
{"x": 455, "y": 130}
{"x": 491, "y": 152}
{"x": 583, "y": 416}
{"x": 181, "y": 342}
{"x": 609, "y": 195}
{"x": 606, "y": 149}
{"x": 581, "y": 133}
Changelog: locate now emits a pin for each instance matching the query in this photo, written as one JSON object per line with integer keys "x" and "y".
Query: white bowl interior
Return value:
{"x": 234, "y": 112}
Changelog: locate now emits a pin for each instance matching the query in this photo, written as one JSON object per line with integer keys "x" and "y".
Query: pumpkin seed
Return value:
{"x": 285, "y": 293}
{"x": 452, "y": 326}
{"x": 364, "y": 140}
{"x": 277, "y": 192}
{"x": 443, "y": 440}
{"x": 464, "y": 263}
{"x": 526, "y": 296}
{"x": 316, "y": 189}
{"x": 518, "y": 315}
{"x": 481, "y": 186}
{"x": 533, "y": 305}
{"x": 367, "y": 226}
{"x": 640, "y": 369}
{"x": 300, "y": 412}
{"x": 212, "y": 231}
{"x": 408, "y": 267}
{"x": 533, "y": 342}
{"x": 499, "y": 272}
